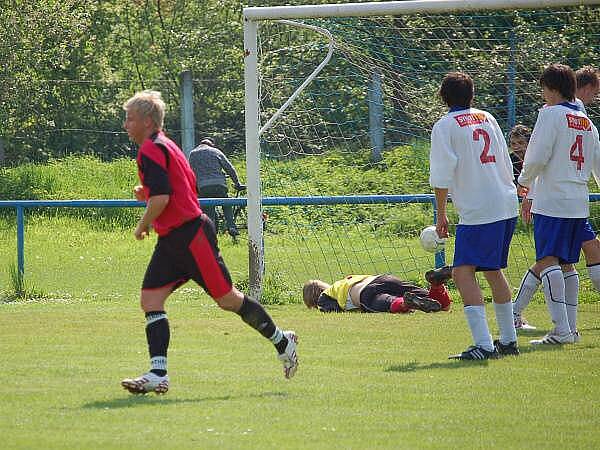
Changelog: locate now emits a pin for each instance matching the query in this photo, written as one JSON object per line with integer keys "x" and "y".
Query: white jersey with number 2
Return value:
{"x": 562, "y": 153}
{"x": 470, "y": 158}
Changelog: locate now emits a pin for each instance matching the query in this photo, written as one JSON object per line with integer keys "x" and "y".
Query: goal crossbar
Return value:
{"x": 396, "y": 8}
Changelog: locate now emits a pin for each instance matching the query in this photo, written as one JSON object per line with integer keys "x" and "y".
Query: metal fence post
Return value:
{"x": 21, "y": 240}
{"x": 188, "y": 141}
{"x": 376, "y": 116}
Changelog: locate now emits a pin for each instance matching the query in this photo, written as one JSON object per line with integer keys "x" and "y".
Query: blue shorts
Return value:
{"x": 560, "y": 237}
{"x": 484, "y": 246}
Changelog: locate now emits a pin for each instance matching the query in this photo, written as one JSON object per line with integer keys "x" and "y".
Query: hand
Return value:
{"x": 526, "y": 210}
{"x": 441, "y": 226}
{"x": 141, "y": 231}
{"x": 522, "y": 190}
{"x": 140, "y": 196}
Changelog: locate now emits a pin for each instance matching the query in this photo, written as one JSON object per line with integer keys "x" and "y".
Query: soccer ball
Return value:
{"x": 430, "y": 241}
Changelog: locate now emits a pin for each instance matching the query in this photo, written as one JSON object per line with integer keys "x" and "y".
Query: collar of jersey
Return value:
{"x": 570, "y": 105}
{"x": 458, "y": 108}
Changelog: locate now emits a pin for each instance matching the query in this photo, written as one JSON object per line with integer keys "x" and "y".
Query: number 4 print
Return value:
{"x": 484, "y": 157}
{"x": 577, "y": 147}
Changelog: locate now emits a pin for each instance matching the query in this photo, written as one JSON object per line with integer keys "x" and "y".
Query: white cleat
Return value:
{"x": 522, "y": 324}
{"x": 553, "y": 338}
{"x": 289, "y": 358}
{"x": 148, "y": 382}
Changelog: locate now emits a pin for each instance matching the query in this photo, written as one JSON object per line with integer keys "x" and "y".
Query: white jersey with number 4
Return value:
{"x": 470, "y": 158}
{"x": 562, "y": 153}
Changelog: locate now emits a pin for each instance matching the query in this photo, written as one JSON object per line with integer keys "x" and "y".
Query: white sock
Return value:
{"x": 571, "y": 297}
{"x": 594, "y": 273}
{"x": 479, "y": 327}
{"x": 554, "y": 292}
{"x": 529, "y": 284}
{"x": 506, "y": 324}
{"x": 158, "y": 362}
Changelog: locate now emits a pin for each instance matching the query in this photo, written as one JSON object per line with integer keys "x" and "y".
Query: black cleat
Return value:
{"x": 425, "y": 304}
{"x": 439, "y": 276}
{"x": 475, "y": 353}
{"x": 506, "y": 349}
{"x": 233, "y": 231}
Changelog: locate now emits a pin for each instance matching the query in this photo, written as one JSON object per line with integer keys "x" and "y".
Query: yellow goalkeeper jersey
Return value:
{"x": 340, "y": 289}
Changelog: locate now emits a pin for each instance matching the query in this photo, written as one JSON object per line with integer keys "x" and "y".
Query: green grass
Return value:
{"x": 365, "y": 381}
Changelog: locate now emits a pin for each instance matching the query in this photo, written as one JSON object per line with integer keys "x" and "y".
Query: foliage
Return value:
{"x": 69, "y": 65}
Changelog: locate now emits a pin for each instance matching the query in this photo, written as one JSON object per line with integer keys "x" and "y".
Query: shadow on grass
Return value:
{"x": 138, "y": 400}
{"x": 414, "y": 366}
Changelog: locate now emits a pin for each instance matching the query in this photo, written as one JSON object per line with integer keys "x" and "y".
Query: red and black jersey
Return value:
{"x": 164, "y": 170}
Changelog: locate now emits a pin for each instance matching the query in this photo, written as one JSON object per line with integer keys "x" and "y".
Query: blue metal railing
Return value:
{"x": 22, "y": 205}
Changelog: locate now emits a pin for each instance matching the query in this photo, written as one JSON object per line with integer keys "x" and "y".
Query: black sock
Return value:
{"x": 158, "y": 336}
{"x": 255, "y": 315}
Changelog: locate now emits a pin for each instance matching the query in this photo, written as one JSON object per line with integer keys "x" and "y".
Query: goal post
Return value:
{"x": 281, "y": 112}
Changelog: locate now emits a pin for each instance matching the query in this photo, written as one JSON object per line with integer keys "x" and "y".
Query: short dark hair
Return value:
{"x": 207, "y": 141}
{"x": 587, "y": 75}
{"x": 457, "y": 89}
{"x": 561, "y": 78}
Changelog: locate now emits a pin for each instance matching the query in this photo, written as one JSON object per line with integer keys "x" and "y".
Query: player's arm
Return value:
{"x": 156, "y": 183}
{"x": 441, "y": 200}
{"x": 154, "y": 208}
{"x": 442, "y": 164}
{"x": 325, "y": 303}
{"x": 539, "y": 149}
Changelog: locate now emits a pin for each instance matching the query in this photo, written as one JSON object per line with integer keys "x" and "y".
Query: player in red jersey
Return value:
{"x": 186, "y": 247}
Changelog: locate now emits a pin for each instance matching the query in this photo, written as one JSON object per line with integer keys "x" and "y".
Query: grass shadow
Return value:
{"x": 414, "y": 366}
{"x": 149, "y": 399}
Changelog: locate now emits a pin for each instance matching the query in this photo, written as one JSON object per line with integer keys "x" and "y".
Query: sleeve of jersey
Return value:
{"x": 228, "y": 167}
{"x": 156, "y": 177}
{"x": 325, "y": 303}
{"x": 596, "y": 167}
{"x": 539, "y": 149}
{"x": 442, "y": 158}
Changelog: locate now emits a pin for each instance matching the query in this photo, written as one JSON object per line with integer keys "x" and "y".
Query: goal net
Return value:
{"x": 361, "y": 124}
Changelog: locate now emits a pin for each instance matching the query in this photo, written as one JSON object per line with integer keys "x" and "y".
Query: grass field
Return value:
{"x": 365, "y": 381}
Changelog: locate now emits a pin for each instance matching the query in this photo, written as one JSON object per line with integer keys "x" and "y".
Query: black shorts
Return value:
{"x": 390, "y": 285}
{"x": 189, "y": 252}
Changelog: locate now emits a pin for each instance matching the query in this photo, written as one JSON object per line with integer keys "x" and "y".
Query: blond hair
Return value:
{"x": 311, "y": 291}
{"x": 148, "y": 104}
{"x": 520, "y": 131}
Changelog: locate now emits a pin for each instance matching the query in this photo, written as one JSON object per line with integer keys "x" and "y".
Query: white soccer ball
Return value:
{"x": 430, "y": 241}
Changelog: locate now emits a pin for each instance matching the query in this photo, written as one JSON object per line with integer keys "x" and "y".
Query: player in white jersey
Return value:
{"x": 562, "y": 153}
{"x": 588, "y": 86}
{"x": 469, "y": 159}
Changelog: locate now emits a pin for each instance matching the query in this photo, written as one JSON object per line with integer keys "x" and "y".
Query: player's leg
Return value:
{"x": 501, "y": 295}
{"x": 208, "y": 269}
{"x": 530, "y": 283}
{"x": 571, "y": 277}
{"x": 557, "y": 239}
{"x": 474, "y": 308}
{"x": 591, "y": 252}
{"x": 160, "y": 280}
{"x": 387, "y": 293}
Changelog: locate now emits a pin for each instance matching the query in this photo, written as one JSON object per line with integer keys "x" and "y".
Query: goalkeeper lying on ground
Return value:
{"x": 379, "y": 293}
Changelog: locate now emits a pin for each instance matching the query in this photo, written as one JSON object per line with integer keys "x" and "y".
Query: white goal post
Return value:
{"x": 253, "y": 16}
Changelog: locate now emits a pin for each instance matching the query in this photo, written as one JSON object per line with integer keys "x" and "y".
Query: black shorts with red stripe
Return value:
{"x": 189, "y": 252}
